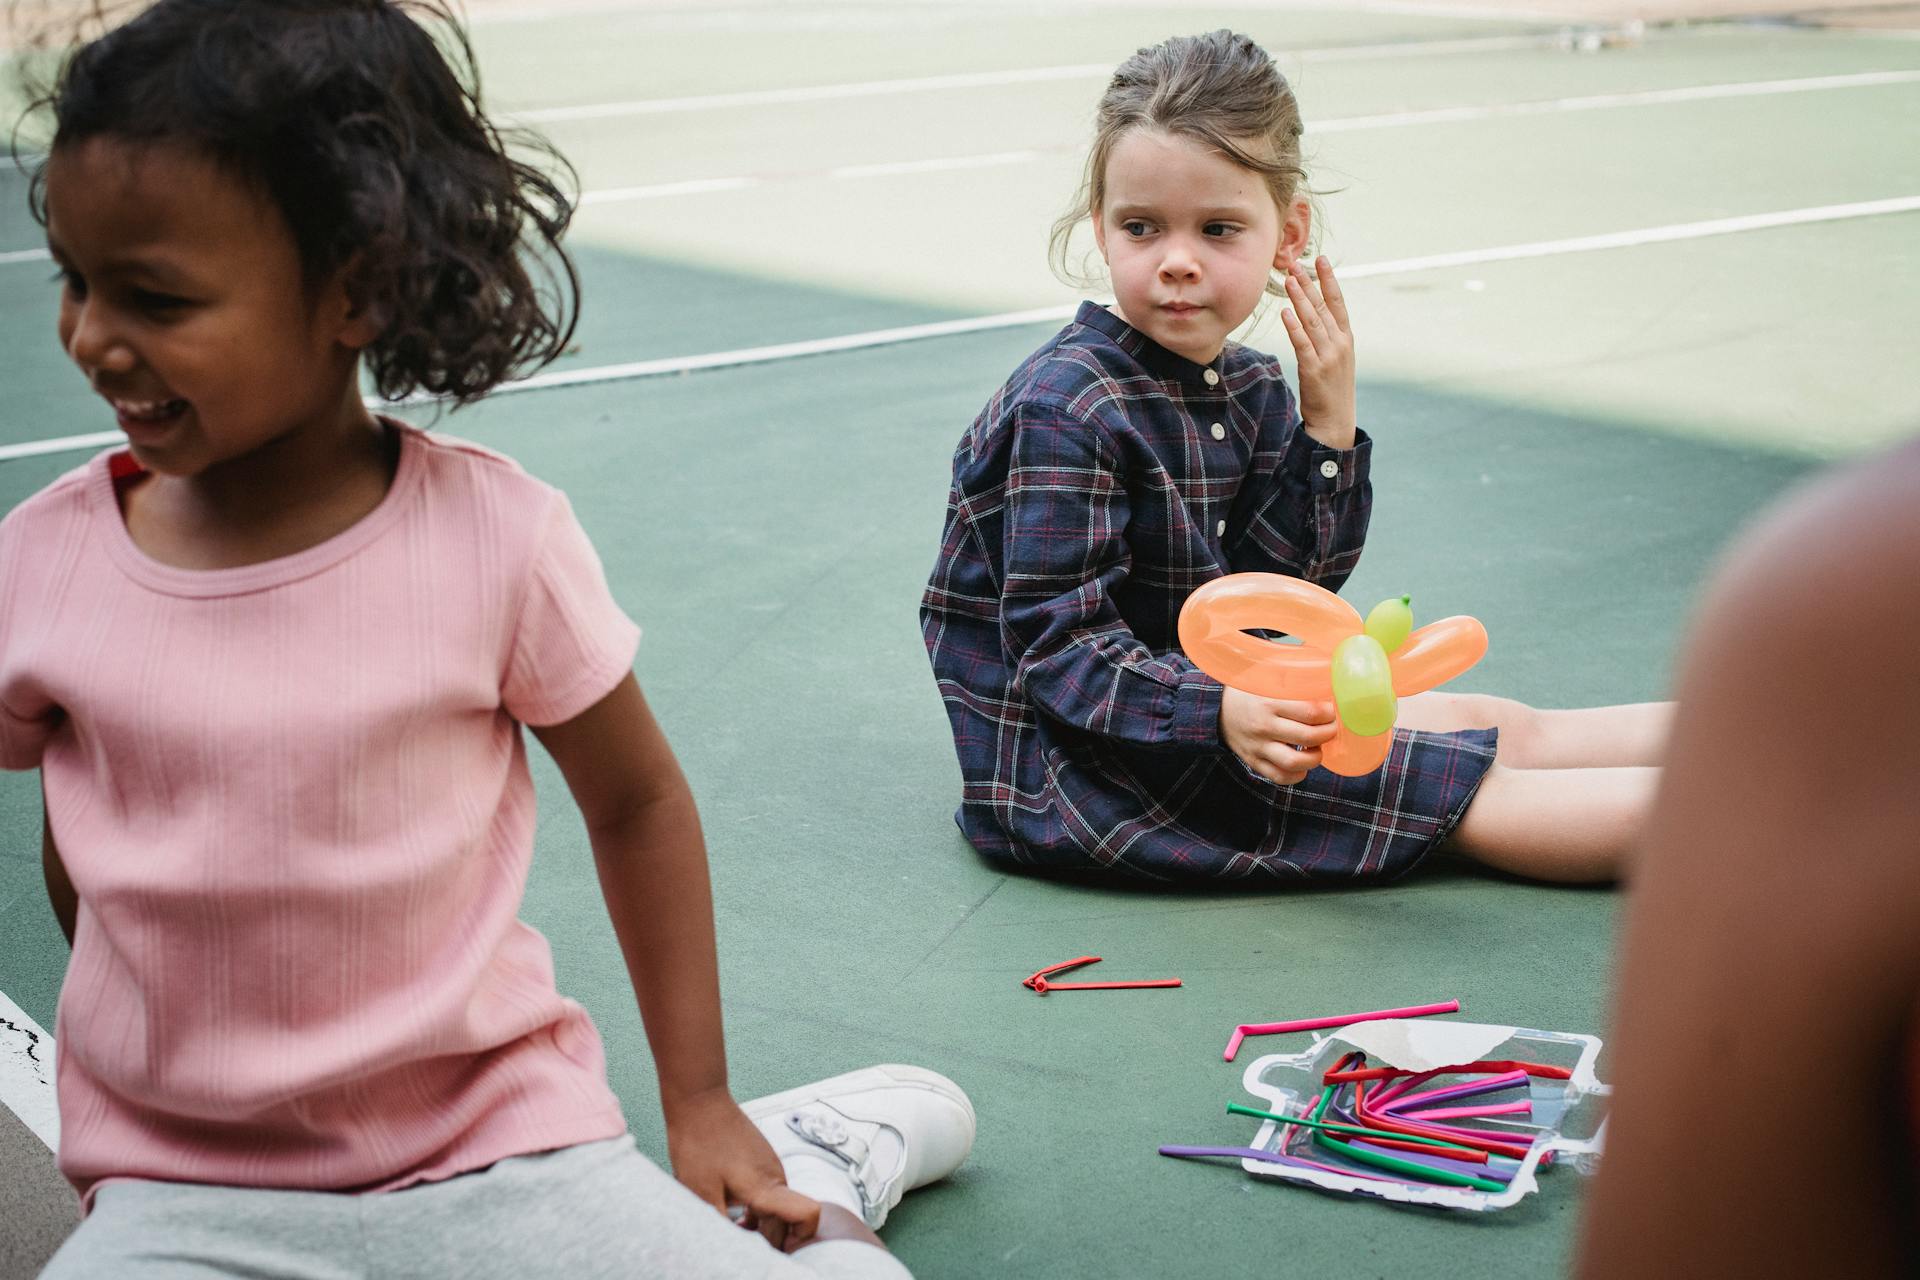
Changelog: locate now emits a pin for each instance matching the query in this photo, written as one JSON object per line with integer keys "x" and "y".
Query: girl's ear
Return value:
{"x": 345, "y": 307}
{"x": 1295, "y": 233}
{"x": 1100, "y": 234}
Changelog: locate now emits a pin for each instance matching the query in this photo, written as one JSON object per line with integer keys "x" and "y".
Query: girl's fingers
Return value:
{"x": 1301, "y": 734}
{"x": 1280, "y": 777}
{"x": 1297, "y": 333}
{"x": 1330, "y": 329}
{"x": 1330, "y": 290}
{"x": 1292, "y": 762}
{"x": 1305, "y": 303}
{"x": 785, "y": 1217}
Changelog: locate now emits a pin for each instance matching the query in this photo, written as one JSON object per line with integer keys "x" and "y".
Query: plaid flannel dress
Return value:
{"x": 1105, "y": 481}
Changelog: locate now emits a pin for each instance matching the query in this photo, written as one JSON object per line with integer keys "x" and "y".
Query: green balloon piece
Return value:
{"x": 1391, "y": 622}
{"x": 1363, "y": 685}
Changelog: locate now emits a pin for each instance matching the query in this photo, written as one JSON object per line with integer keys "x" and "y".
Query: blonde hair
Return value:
{"x": 1220, "y": 89}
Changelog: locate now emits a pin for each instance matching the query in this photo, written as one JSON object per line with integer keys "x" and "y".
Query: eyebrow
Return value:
{"x": 1236, "y": 213}
{"x": 155, "y": 270}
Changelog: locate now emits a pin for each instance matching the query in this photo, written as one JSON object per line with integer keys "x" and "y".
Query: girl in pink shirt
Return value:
{"x": 273, "y": 658}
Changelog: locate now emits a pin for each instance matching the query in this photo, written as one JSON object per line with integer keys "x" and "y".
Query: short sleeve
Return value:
{"x": 27, "y": 717}
{"x": 571, "y": 643}
{"x": 22, "y": 738}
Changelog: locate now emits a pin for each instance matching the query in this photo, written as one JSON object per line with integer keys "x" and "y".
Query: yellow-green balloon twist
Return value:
{"x": 1362, "y": 680}
{"x": 1390, "y": 622}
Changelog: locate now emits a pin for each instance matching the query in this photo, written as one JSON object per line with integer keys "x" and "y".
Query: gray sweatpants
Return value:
{"x": 592, "y": 1212}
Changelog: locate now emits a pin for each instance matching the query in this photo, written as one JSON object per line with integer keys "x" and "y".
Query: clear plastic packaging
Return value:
{"x": 1565, "y": 1129}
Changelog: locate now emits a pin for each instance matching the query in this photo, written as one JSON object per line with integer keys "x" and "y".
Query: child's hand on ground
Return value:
{"x": 1280, "y": 741}
{"x": 1323, "y": 345}
{"x": 720, "y": 1156}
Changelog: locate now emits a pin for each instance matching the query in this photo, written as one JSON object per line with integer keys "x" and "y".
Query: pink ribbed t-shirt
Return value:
{"x": 293, "y": 798}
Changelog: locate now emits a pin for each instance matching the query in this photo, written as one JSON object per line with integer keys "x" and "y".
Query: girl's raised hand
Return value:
{"x": 1323, "y": 344}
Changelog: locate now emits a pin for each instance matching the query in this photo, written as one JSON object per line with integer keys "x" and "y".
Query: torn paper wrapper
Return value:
{"x": 1423, "y": 1044}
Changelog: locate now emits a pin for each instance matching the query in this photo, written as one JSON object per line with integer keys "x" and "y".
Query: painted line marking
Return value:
{"x": 1349, "y": 124}
{"x": 991, "y": 79}
{"x": 61, "y": 444}
{"x": 1604, "y": 101}
{"x": 1644, "y": 236}
{"x": 1041, "y": 315}
{"x": 26, "y": 1071}
{"x": 1478, "y": 13}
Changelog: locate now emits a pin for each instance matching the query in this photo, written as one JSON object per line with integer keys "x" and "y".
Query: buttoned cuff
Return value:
{"x": 1329, "y": 471}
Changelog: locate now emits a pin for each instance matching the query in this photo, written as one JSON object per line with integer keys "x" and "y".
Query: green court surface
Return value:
{"x": 1568, "y": 434}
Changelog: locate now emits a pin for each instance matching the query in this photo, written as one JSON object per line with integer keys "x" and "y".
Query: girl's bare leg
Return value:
{"x": 1569, "y": 825}
{"x": 1582, "y": 738}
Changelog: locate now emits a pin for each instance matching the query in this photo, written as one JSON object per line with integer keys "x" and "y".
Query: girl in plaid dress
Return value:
{"x": 1139, "y": 454}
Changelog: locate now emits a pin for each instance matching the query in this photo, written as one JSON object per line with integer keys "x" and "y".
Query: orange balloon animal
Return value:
{"x": 1213, "y": 632}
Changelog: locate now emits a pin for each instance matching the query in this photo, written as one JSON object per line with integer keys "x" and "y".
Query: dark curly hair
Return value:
{"x": 368, "y": 135}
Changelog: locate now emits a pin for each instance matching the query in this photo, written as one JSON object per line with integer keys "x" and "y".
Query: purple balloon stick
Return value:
{"x": 1471, "y": 1089}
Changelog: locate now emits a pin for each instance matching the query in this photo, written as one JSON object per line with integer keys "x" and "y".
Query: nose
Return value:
{"x": 1179, "y": 264}
{"x": 92, "y": 340}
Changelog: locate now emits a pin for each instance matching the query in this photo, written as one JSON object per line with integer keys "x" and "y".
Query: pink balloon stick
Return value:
{"x": 1246, "y": 1029}
{"x": 1394, "y": 1088}
{"x": 1459, "y": 1134}
{"x": 1485, "y": 1109}
{"x": 1489, "y": 1084}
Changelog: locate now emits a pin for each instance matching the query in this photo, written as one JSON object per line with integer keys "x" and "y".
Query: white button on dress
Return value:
{"x": 1220, "y": 530}
{"x": 1329, "y": 468}
{"x": 1213, "y": 379}
{"x": 1219, "y": 432}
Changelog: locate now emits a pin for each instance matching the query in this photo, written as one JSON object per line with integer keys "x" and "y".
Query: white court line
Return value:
{"x": 1645, "y": 235}
{"x": 1603, "y": 101}
{"x": 26, "y": 1071}
{"x": 60, "y": 444}
{"x": 1398, "y": 266}
{"x": 765, "y": 355}
{"x": 934, "y": 166}
{"x": 811, "y": 93}
{"x": 1474, "y": 12}
{"x": 693, "y": 187}
{"x": 1348, "y": 124}
{"x": 1040, "y": 315}
{"x": 984, "y": 79}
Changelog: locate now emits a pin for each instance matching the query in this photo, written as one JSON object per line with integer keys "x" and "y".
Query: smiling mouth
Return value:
{"x": 144, "y": 415}
{"x": 147, "y": 412}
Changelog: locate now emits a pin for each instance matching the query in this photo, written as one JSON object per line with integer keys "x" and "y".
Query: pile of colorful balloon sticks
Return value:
{"x": 1388, "y": 1119}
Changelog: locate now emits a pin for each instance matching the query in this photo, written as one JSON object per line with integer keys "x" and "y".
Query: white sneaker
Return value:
{"x": 890, "y": 1128}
